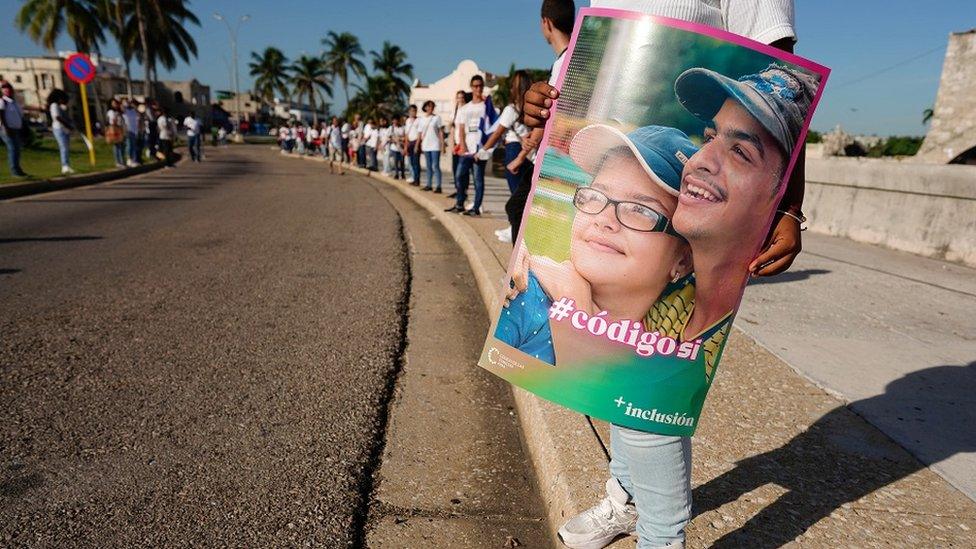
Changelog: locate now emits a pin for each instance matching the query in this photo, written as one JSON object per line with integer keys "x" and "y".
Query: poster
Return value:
{"x": 658, "y": 178}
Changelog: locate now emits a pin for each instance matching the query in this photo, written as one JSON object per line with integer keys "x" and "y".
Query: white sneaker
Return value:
{"x": 596, "y": 527}
{"x": 505, "y": 235}
{"x": 66, "y": 170}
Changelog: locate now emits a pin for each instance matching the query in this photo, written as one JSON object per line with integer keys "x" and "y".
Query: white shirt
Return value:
{"x": 335, "y": 136}
{"x": 165, "y": 127}
{"x": 384, "y": 137}
{"x": 56, "y": 113}
{"x": 113, "y": 118}
{"x": 468, "y": 116}
{"x": 509, "y": 120}
{"x": 371, "y": 136}
{"x": 764, "y": 21}
{"x": 397, "y": 133}
{"x": 313, "y": 134}
{"x": 429, "y": 130}
{"x": 11, "y": 116}
{"x": 192, "y": 126}
{"x": 413, "y": 128}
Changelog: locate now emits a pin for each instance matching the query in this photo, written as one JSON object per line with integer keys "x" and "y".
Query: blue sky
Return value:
{"x": 855, "y": 38}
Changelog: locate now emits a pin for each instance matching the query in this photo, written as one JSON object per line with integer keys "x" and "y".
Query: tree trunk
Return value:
{"x": 148, "y": 92}
{"x": 127, "y": 57}
{"x": 311, "y": 105}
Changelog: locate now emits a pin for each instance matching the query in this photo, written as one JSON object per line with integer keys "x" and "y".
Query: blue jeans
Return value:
{"x": 433, "y": 159}
{"x": 62, "y": 137}
{"x": 371, "y": 154}
{"x": 398, "y": 168}
{"x": 656, "y": 471}
{"x": 512, "y": 150}
{"x": 463, "y": 176}
{"x": 132, "y": 146}
{"x": 119, "y": 150}
{"x": 414, "y": 153}
{"x": 193, "y": 143}
{"x": 11, "y": 140}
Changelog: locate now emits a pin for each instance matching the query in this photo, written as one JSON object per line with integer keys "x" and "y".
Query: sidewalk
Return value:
{"x": 777, "y": 459}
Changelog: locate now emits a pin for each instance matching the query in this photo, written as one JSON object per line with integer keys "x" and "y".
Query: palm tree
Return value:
{"x": 270, "y": 70}
{"x": 163, "y": 38}
{"x": 376, "y": 99}
{"x": 310, "y": 77}
{"x": 45, "y": 20}
{"x": 391, "y": 61}
{"x": 111, "y": 12}
{"x": 344, "y": 56}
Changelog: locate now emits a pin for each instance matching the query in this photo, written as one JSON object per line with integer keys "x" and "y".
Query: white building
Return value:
{"x": 442, "y": 92}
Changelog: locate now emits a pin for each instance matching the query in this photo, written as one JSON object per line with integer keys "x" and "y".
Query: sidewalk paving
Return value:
{"x": 778, "y": 460}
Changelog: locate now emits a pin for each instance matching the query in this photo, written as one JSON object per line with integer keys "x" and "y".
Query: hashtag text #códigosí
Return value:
{"x": 626, "y": 332}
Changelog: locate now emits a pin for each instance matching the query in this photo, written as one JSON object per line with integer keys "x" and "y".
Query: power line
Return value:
{"x": 890, "y": 67}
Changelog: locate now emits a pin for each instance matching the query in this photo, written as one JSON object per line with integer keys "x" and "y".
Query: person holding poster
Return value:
{"x": 647, "y": 372}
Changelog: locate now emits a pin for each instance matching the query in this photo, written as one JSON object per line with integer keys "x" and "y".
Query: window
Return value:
{"x": 178, "y": 97}
{"x": 18, "y": 79}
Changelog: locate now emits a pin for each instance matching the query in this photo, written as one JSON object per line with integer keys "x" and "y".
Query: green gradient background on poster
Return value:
{"x": 666, "y": 383}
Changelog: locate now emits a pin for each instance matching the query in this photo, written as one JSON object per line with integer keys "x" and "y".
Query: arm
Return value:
{"x": 462, "y": 146}
{"x": 495, "y": 136}
{"x": 783, "y": 242}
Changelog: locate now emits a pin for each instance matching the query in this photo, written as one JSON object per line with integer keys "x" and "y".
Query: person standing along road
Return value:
{"x": 467, "y": 125}
{"x": 115, "y": 132}
{"x": 412, "y": 147}
{"x": 338, "y": 140}
{"x": 431, "y": 143}
{"x": 149, "y": 111}
{"x": 397, "y": 135}
{"x": 167, "y": 133}
{"x": 130, "y": 120}
{"x": 11, "y": 127}
{"x": 61, "y": 126}
{"x": 461, "y": 98}
{"x": 194, "y": 136}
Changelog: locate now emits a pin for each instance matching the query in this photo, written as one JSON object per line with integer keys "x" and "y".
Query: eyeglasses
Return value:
{"x": 633, "y": 215}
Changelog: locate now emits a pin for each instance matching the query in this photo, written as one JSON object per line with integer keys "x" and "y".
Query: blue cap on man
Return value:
{"x": 661, "y": 150}
{"x": 779, "y": 97}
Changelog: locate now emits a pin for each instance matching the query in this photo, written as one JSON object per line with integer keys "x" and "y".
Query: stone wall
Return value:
{"x": 926, "y": 209}
{"x": 952, "y": 136}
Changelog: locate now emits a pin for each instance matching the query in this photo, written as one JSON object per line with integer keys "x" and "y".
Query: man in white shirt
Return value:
{"x": 398, "y": 136}
{"x": 371, "y": 139}
{"x": 467, "y": 124}
{"x": 412, "y": 146}
{"x": 11, "y": 124}
{"x": 337, "y": 136}
{"x": 167, "y": 132}
{"x": 194, "y": 139}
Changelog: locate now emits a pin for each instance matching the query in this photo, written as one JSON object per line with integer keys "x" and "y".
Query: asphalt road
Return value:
{"x": 200, "y": 356}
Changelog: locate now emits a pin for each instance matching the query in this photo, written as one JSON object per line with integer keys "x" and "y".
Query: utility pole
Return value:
{"x": 233, "y": 46}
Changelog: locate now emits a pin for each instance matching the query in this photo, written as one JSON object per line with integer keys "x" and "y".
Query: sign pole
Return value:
{"x": 81, "y": 70}
{"x": 88, "y": 130}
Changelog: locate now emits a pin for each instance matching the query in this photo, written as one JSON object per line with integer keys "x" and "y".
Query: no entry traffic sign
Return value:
{"x": 79, "y": 68}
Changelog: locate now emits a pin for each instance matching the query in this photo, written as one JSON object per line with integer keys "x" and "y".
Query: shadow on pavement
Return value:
{"x": 48, "y": 239}
{"x": 839, "y": 459}
{"x": 788, "y": 276}
{"x": 159, "y": 187}
{"x": 9, "y": 271}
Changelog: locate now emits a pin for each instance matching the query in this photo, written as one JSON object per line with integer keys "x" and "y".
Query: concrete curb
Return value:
{"x": 567, "y": 456}
{"x": 16, "y": 190}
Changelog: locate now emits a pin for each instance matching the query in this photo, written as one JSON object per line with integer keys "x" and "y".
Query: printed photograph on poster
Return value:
{"x": 661, "y": 170}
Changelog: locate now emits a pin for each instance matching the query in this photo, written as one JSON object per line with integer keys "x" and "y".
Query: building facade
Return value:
{"x": 952, "y": 136}
{"x": 442, "y": 92}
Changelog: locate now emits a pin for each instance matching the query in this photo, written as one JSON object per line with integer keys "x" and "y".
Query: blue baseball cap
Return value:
{"x": 778, "y": 97}
{"x": 662, "y": 151}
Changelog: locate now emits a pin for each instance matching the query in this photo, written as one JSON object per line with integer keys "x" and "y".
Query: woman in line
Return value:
{"x": 115, "y": 133}
{"x": 61, "y": 126}
{"x": 514, "y": 131}
{"x": 431, "y": 144}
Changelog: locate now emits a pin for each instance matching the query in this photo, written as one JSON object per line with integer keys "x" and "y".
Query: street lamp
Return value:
{"x": 233, "y": 45}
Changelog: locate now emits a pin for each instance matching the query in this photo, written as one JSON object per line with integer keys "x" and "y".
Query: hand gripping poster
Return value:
{"x": 661, "y": 170}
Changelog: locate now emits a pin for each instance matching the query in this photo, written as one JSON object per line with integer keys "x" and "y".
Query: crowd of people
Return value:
{"x": 137, "y": 131}
{"x": 409, "y": 146}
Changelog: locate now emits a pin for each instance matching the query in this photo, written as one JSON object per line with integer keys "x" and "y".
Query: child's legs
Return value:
{"x": 656, "y": 471}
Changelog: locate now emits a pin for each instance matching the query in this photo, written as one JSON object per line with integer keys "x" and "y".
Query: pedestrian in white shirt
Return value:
{"x": 167, "y": 133}
{"x": 398, "y": 136}
{"x": 338, "y": 143}
{"x": 431, "y": 144}
{"x": 412, "y": 149}
{"x": 57, "y": 107}
{"x": 467, "y": 124}
{"x": 371, "y": 139}
{"x": 194, "y": 137}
